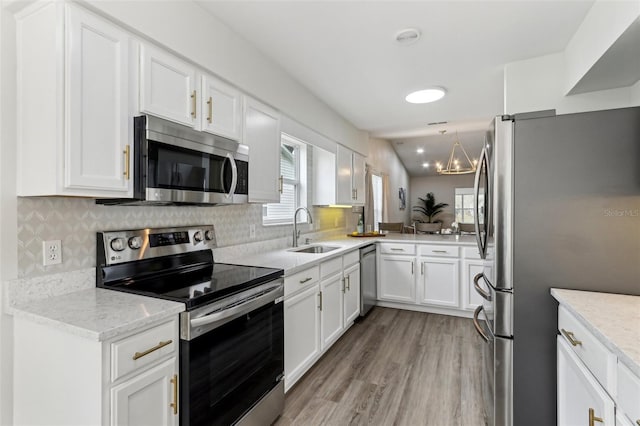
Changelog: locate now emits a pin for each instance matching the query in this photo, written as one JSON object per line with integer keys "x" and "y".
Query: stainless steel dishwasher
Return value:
{"x": 368, "y": 282}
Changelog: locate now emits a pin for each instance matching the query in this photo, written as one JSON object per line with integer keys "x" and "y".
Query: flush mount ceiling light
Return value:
{"x": 407, "y": 36}
{"x": 425, "y": 165}
{"x": 425, "y": 96}
{"x": 419, "y": 150}
{"x": 455, "y": 166}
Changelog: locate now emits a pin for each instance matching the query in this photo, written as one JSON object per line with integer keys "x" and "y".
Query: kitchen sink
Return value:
{"x": 314, "y": 249}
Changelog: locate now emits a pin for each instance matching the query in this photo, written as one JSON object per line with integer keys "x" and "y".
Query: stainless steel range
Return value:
{"x": 232, "y": 333}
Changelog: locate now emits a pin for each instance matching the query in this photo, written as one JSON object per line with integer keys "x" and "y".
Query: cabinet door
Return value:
{"x": 351, "y": 294}
{"x": 344, "y": 184}
{"x": 579, "y": 392}
{"x": 262, "y": 134}
{"x": 397, "y": 281}
{"x": 221, "y": 107}
{"x": 147, "y": 398}
{"x": 97, "y": 85}
{"x": 471, "y": 298}
{"x": 358, "y": 178}
{"x": 167, "y": 86}
{"x": 331, "y": 309}
{"x": 301, "y": 334}
{"x": 439, "y": 282}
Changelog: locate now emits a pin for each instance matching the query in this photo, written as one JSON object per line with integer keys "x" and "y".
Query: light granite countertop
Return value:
{"x": 96, "y": 313}
{"x": 293, "y": 262}
{"x": 613, "y": 318}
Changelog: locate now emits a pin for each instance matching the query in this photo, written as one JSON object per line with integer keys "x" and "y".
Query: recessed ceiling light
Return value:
{"x": 425, "y": 96}
{"x": 425, "y": 165}
{"x": 419, "y": 150}
{"x": 408, "y": 36}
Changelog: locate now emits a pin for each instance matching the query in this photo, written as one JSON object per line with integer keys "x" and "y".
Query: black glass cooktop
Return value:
{"x": 185, "y": 280}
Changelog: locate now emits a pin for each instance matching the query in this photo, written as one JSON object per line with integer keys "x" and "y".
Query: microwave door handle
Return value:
{"x": 234, "y": 176}
{"x": 476, "y": 194}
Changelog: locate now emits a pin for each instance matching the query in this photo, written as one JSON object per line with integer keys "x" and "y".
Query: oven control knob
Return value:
{"x": 135, "y": 243}
{"x": 197, "y": 237}
{"x": 208, "y": 235}
{"x": 117, "y": 244}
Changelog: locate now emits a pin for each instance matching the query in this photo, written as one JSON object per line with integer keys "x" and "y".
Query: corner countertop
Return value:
{"x": 98, "y": 314}
{"x": 293, "y": 262}
{"x": 613, "y": 318}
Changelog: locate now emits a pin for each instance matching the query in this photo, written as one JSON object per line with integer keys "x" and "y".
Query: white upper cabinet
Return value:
{"x": 77, "y": 97}
{"x": 167, "y": 86}
{"x": 221, "y": 107}
{"x": 339, "y": 177}
{"x": 262, "y": 134}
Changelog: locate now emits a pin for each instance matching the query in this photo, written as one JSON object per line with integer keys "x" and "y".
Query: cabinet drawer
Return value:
{"x": 594, "y": 354}
{"x": 438, "y": 251}
{"x": 330, "y": 267}
{"x": 474, "y": 253}
{"x": 391, "y": 248}
{"x": 303, "y": 279}
{"x": 139, "y": 350}
{"x": 628, "y": 395}
{"x": 351, "y": 258}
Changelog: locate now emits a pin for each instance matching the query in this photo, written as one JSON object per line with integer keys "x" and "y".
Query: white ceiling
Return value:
{"x": 345, "y": 53}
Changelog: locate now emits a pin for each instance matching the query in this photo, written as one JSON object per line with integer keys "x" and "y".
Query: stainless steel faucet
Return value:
{"x": 296, "y": 233}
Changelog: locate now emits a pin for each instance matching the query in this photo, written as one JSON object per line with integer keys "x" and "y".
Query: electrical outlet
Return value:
{"x": 252, "y": 231}
{"x": 51, "y": 252}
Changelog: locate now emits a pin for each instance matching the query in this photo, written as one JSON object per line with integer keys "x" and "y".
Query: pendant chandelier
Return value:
{"x": 459, "y": 163}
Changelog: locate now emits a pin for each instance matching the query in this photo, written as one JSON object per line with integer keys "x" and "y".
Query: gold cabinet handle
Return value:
{"x": 210, "y": 103}
{"x": 127, "y": 161}
{"x": 356, "y": 197}
{"x": 305, "y": 280}
{"x": 160, "y": 345}
{"x": 281, "y": 184}
{"x": 593, "y": 418}
{"x": 193, "y": 104}
{"x": 174, "y": 404}
{"x": 571, "y": 337}
{"x": 320, "y": 305}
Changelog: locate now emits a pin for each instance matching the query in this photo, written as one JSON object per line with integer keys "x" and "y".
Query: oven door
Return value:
{"x": 227, "y": 370}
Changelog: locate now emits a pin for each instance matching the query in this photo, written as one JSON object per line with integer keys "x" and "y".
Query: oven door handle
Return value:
{"x": 240, "y": 309}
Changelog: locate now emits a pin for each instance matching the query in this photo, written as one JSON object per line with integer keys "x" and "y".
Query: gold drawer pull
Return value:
{"x": 127, "y": 161}
{"x": 174, "y": 404}
{"x": 305, "y": 280}
{"x": 160, "y": 345}
{"x": 593, "y": 418}
{"x": 570, "y": 337}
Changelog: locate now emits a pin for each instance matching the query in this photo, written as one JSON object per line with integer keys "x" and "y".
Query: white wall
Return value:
{"x": 193, "y": 32}
{"x": 538, "y": 84}
{"x": 384, "y": 159}
{"x": 443, "y": 188}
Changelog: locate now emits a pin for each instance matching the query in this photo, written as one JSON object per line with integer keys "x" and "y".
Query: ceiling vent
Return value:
{"x": 407, "y": 36}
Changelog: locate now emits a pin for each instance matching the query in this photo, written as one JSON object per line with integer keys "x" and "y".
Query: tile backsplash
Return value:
{"x": 75, "y": 222}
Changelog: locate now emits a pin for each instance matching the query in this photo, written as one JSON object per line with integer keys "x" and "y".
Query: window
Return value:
{"x": 293, "y": 169}
{"x": 376, "y": 183}
{"x": 464, "y": 205}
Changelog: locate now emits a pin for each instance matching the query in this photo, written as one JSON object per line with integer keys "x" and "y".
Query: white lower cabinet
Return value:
{"x": 136, "y": 401}
{"x": 301, "y": 333}
{"x": 73, "y": 380}
{"x": 351, "y": 293}
{"x": 396, "y": 278}
{"x": 331, "y": 309}
{"x": 580, "y": 396}
{"x": 470, "y": 297}
{"x": 438, "y": 282}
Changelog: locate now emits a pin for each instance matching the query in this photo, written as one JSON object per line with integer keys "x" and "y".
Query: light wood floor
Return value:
{"x": 394, "y": 368}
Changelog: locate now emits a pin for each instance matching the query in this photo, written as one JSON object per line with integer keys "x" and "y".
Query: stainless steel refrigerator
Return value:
{"x": 563, "y": 210}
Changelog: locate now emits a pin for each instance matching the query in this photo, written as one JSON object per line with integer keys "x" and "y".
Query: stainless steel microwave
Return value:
{"x": 174, "y": 164}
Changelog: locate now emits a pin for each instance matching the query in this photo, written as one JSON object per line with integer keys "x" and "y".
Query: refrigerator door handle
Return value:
{"x": 477, "y": 325}
{"x": 482, "y": 292}
{"x": 476, "y": 206}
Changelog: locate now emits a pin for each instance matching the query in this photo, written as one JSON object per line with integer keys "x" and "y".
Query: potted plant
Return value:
{"x": 430, "y": 209}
